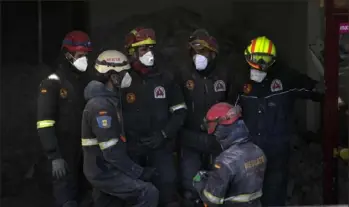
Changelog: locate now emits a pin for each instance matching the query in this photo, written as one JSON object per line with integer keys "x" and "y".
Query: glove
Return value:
{"x": 148, "y": 174}
{"x": 59, "y": 168}
{"x": 153, "y": 141}
{"x": 199, "y": 181}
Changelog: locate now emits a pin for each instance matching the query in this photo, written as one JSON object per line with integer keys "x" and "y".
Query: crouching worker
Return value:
{"x": 106, "y": 163}
{"x": 237, "y": 178}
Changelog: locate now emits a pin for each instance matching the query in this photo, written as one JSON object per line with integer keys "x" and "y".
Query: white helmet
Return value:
{"x": 111, "y": 60}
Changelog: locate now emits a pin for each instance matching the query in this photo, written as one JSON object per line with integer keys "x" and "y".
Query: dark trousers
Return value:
{"x": 166, "y": 182}
{"x": 102, "y": 199}
{"x": 276, "y": 175}
{"x": 73, "y": 186}
{"x": 192, "y": 161}
{"x": 116, "y": 186}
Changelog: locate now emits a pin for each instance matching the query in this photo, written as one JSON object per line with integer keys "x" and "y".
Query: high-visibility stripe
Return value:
{"x": 253, "y": 45}
{"x": 245, "y": 198}
{"x": 212, "y": 198}
{"x": 89, "y": 142}
{"x": 242, "y": 198}
{"x": 45, "y": 123}
{"x": 177, "y": 107}
{"x": 109, "y": 143}
{"x": 270, "y": 47}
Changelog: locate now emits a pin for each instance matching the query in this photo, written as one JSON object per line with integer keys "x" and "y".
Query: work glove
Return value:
{"x": 153, "y": 141}
{"x": 59, "y": 168}
{"x": 148, "y": 173}
{"x": 199, "y": 180}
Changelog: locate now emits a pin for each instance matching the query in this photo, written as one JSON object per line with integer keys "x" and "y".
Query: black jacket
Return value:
{"x": 60, "y": 105}
{"x": 153, "y": 102}
{"x": 267, "y": 106}
{"x": 201, "y": 90}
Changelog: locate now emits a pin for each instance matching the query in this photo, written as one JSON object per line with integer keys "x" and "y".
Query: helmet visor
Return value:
{"x": 260, "y": 61}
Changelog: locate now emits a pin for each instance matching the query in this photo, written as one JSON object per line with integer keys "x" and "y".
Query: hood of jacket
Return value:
{"x": 95, "y": 89}
{"x": 228, "y": 135}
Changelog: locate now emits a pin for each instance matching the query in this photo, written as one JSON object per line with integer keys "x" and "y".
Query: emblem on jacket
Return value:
{"x": 247, "y": 88}
{"x": 276, "y": 85}
{"x": 130, "y": 97}
{"x": 159, "y": 92}
{"x": 190, "y": 84}
{"x": 63, "y": 93}
{"x": 104, "y": 122}
{"x": 219, "y": 86}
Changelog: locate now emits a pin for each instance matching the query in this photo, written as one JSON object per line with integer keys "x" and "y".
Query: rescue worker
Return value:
{"x": 59, "y": 111}
{"x": 237, "y": 177}
{"x": 267, "y": 103}
{"x": 205, "y": 83}
{"x": 154, "y": 110}
{"x": 106, "y": 164}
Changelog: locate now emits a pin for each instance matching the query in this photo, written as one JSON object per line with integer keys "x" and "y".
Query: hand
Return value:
{"x": 148, "y": 174}
{"x": 153, "y": 141}
{"x": 59, "y": 168}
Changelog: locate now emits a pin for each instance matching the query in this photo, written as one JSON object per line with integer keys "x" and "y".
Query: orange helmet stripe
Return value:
{"x": 253, "y": 46}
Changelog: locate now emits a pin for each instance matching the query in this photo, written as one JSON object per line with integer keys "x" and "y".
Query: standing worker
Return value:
{"x": 267, "y": 103}
{"x": 154, "y": 110}
{"x": 237, "y": 177}
{"x": 106, "y": 164}
{"x": 60, "y": 106}
{"x": 205, "y": 83}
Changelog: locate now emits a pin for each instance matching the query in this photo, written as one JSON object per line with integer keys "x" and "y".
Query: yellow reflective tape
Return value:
{"x": 148, "y": 41}
{"x": 89, "y": 142}
{"x": 45, "y": 123}
{"x": 107, "y": 144}
{"x": 212, "y": 198}
{"x": 245, "y": 198}
{"x": 177, "y": 107}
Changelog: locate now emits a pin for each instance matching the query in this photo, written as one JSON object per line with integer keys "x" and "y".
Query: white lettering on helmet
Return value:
{"x": 53, "y": 77}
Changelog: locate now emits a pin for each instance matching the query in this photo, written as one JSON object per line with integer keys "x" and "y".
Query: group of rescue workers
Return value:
{"x": 137, "y": 125}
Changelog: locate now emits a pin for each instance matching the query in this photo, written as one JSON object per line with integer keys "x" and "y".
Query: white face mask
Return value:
{"x": 200, "y": 62}
{"x": 147, "y": 59}
{"x": 126, "y": 81}
{"x": 257, "y": 75}
{"x": 81, "y": 64}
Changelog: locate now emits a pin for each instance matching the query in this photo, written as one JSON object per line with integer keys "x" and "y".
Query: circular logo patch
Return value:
{"x": 130, "y": 97}
{"x": 190, "y": 84}
{"x": 247, "y": 88}
{"x": 63, "y": 93}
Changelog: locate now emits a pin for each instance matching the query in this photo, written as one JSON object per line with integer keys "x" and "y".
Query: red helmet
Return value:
{"x": 77, "y": 41}
{"x": 201, "y": 39}
{"x": 221, "y": 113}
{"x": 138, "y": 37}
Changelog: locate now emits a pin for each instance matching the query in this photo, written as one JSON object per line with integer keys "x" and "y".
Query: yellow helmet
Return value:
{"x": 261, "y": 53}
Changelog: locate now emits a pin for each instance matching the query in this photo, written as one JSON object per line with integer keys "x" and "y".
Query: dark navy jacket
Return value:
{"x": 238, "y": 174}
{"x": 268, "y": 106}
{"x": 105, "y": 152}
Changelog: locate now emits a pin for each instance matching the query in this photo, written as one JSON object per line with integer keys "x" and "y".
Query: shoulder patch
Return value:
{"x": 276, "y": 85}
{"x": 53, "y": 76}
{"x": 104, "y": 122}
{"x": 159, "y": 92}
{"x": 219, "y": 86}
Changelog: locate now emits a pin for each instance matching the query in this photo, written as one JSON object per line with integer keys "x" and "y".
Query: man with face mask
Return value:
{"x": 107, "y": 165}
{"x": 267, "y": 102}
{"x": 154, "y": 110}
{"x": 205, "y": 83}
{"x": 60, "y": 106}
{"x": 237, "y": 177}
